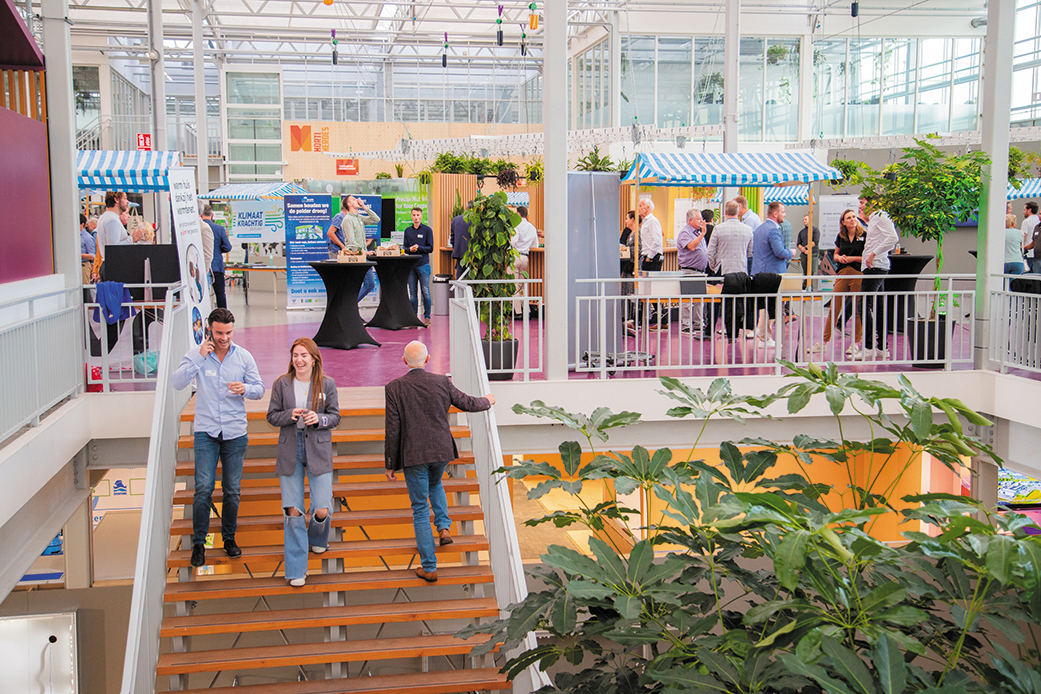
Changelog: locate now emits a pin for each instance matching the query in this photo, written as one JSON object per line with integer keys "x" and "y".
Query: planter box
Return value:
{"x": 929, "y": 342}
{"x": 500, "y": 355}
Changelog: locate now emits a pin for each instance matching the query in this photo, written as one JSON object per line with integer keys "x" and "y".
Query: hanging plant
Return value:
{"x": 594, "y": 162}
{"x": 506, "y": 174}
{"x": 706, "y": 193}
{"x": 425, "y": 176}
{"x": 534, "y": 171}
{"x": 854, "y": 173}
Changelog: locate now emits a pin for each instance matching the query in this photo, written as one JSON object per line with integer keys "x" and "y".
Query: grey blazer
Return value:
{"x": 417, "y": 430}
{"x": 318, "y": 437}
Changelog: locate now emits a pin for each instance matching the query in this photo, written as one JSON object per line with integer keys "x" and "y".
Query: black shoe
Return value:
{"x": 198, "y": 555}
{"x": 232, "y": 549}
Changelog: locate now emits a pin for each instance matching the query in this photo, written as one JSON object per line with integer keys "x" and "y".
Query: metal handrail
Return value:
{"x": 153, "y": 545}
{"x": 504, "y": 549}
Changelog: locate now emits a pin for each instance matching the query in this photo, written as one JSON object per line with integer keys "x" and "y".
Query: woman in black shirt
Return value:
{"x": 849, "y": 250}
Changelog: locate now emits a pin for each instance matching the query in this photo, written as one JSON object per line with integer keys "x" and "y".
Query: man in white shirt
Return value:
{"x": 1030, "y": 220}
{"x": 651, "y": 238}
{"x": 881, "y": 239}
{"x": 111, "y": 231}
{"x": 525, "y": 237}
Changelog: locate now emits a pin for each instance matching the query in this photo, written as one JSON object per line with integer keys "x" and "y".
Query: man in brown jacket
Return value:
{"x": 419, "y": 442}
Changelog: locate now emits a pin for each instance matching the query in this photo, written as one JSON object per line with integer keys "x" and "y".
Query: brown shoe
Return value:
{"x": 428, "y": 577}
{"x": 446, "y": 537}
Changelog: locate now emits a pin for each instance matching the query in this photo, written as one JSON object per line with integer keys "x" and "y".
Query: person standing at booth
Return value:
{"x": 419, "y": 241}
{"x": 347, "y": 232}
{"x": 525, "y": 237}
{"x": 221, "y": 245}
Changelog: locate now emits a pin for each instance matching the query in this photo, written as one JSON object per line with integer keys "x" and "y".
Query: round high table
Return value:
{"x": 395, "y": 310}
{"x": 342, "y": 326}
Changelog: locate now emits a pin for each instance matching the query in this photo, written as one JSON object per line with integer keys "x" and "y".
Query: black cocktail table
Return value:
{"x": 342, "y": 326}
{"x": 395, "y": 311}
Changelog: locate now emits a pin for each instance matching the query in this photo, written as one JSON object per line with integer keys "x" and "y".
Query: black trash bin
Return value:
{"x": 439, "y": 288}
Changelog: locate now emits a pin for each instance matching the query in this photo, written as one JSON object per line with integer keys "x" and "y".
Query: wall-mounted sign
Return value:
{"x": 346, "y": 167}
{"x": 305, "y": 138}
{"x": 144, "y": 142}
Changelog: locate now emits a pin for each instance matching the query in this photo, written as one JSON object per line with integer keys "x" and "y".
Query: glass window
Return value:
{"x": 865, "y": 87}
{"x": 674, "y": 75}
{"x": 637, "y": 92}
{"x": 934, "y": 90}
{"x": 254, "y": 128}
{"x": 252, "y": 88}
{"x": 899, "y": 70}
{"x": 829, "y": 88}
{"x": 605, "y": 86}
{"x": 86, "y": 90}
{"x": 966, "y": 82}
{"x": 750, "y": 88}
{"x": 254, "y": 153}
{"x": 708, "y": 81}
{"x": 781, "y": 91}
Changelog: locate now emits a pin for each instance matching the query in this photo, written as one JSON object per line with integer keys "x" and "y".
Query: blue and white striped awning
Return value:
{"x": 129, "y": 172}
{"x": 789, "y": 195}
{"x": 254, "y": 191}
{"x": 728, "y": 169}
{"x": 1031, "y": 188}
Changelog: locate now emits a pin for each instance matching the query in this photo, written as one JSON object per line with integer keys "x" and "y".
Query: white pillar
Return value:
{"x": 61, "y": 142}
{"x": 731, "y": 58}
{"x": 615, "y": 89}
{"x": 997, "y": 105}
{"x": 806, "y": 87}
{"x": 202, "y": 140}
{"x": 555, "y": 127}
{"x": 78, "y": 547}
{"x": 158, "y": 89}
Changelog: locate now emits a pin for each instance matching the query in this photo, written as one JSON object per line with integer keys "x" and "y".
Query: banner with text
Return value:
{"x": 307, "y": 219}
{"x": 257, "y": 221}
{"x": 184, "y": 202}
{"x": 831, "y": 209}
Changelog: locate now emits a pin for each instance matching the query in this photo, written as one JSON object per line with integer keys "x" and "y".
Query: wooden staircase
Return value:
{"x": 364, "y": 622}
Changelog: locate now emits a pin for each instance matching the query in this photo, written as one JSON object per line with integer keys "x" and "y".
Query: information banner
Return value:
{"x": 307, "y": 219}
{"x": 831, "y": 207}
{"x": 403, "y": 204}
{"x": 185, "y": 207}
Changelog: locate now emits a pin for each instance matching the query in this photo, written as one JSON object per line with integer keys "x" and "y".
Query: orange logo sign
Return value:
{"x": 300, "y": 138}
{"x": 346, "y": 167}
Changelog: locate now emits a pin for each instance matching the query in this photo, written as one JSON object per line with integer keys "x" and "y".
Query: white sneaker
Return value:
{"x": 768, "y": 343}
{"x": 318, "y": 550}
{"x": 881, "y": 354}
{"x": 749, "y": 334}
{"x": 297, "y": 582}
{"x": 858, "y": 354}
{"x": 817, "y": 348}
{"x": 851, "y": 349}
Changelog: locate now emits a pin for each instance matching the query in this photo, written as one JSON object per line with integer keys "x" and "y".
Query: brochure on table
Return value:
{"x": 185, "y": 216}
{"x": 307, "y": 219}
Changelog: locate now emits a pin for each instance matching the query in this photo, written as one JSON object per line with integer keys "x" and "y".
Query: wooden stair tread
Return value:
{"x": 381, "y": 487}
{"x": 439, "y": 682}
{"x": 270, "y": 438}
{"x": 358, "y": 401}
{"x": 341, "y": 519}
{"x": 234, "y": 659}
{"x": 257, "y": 466}
{"x": 401, "y": 547}
{"x": 348, "y": 615}
{"x": 226, "y": 588}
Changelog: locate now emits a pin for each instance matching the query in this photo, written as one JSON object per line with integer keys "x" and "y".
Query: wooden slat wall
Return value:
{"x": 23, "y": 91}
{"x": 442, "y": 200}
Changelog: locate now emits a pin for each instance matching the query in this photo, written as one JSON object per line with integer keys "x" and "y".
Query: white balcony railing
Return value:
{"x": 1015, "y": 318}
{"x": 521, "y": 317}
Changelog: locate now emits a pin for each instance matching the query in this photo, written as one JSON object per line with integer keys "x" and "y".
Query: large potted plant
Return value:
{"x": 926, "y": 193}
{"x": 489, "y": 259}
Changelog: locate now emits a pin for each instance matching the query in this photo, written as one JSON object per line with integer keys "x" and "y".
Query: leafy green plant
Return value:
{"x": 457, "y": 208}
{"x": 535, "y": 170}
{"x": 449, "y": 163}
{"x": 825, "y": 607}
{"x": 479, "y": 166}
{"x": 623, "y": 165}
{"x": 490, "y": 257}
{"x": 776, "y": 53}
{"x": 425, "y": 176}
{"x": 382, "y": 175}
{"x": 506, "y": 174}
{"x": 1019, "y": 167}
{"x": 594, "y": 162}
{"x": 854, "y": 173}
{"x": 399, "y": 169}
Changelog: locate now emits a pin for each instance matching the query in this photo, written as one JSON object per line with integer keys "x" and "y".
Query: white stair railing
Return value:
{"x": 153, "y": 545}
{"x": 469, "y": 374}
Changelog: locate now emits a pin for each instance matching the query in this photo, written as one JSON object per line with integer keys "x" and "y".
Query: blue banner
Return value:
{"x": 307, "y": 221}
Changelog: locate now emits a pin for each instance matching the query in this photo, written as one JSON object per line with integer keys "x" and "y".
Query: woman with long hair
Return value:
{"x": 305, "y": 407}
{"x": 848, "y": 253}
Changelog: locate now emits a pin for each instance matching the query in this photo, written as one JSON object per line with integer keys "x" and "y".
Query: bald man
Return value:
{"x": 419, "y": 442}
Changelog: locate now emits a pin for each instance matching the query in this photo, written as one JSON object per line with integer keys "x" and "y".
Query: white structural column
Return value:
{"x": 158, "y": 88}
{"x": 555, "y": 127}
{"x": 202, "y": 140}
{"x": 615, "y": 76}
{"x": 731, "y": 59}
{"x": 806, "y": 69}
{"x": 61, "y": 133}
{"x": 997, "y": 104}
{"x": 78, "y": 547}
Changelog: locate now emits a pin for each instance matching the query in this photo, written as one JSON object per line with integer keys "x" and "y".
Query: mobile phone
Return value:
{"x": 206, "y": 333}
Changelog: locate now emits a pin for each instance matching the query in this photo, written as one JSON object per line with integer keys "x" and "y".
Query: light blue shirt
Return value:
{"x": 218, "y": 411}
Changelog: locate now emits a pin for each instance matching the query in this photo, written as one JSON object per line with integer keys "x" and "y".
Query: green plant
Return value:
{"x": 708, "y": 89}
{"x": 825, "y": 607}
{"x": 400, "y": 170}
{"x": 594, "y": 162}
{"x": 1019, "y": 167}
{"x": 490, "y": 257}
{"x": 624, "y": 165}
{"x": 479, "y": 166}
{"x": 381, "y": 176}
{"x": 534, "y": 170}
{"x": 776, "y": 53}
{"x": 928, "y": 191}
{"x": 854, "y": 173}
{"x": 425, "y": 176}
{"x": 457, "y": 208}
{"x": 506, "y": 173}
{"x": 449, "y": 163}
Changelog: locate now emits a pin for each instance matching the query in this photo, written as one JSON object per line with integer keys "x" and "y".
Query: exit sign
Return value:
{"x": 144, "y": 142}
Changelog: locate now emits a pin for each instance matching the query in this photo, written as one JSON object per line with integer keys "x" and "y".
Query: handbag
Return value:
{"x": 826, "y": 266}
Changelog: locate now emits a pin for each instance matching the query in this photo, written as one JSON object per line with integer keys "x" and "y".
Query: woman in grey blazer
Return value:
{"x": 304, "y": 405}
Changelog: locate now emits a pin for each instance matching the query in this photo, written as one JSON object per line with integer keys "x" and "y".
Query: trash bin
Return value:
{"x": 439, "y": 288}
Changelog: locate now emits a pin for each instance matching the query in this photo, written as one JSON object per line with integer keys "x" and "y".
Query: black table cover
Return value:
{"x": 395, "y": 311}
{"x": 342, "y": 326}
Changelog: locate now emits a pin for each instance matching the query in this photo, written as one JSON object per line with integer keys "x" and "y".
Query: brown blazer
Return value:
{"x": 318, "y": 438}
{"x": 417, "y": 430}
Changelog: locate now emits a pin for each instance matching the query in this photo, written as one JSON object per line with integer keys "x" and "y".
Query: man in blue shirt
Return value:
{"x": 224, "y": 374}
{"x": 769, "y": 254}
{"x": 419, "y": 240}
{"x": 221, "y": 245}
{"x": 692, "y": 253}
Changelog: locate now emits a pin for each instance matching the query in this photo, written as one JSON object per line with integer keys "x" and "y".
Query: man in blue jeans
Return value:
{"x": 418, "y": 440}
{"x": 224, "y": 374}
{"x": 419, "y": 240}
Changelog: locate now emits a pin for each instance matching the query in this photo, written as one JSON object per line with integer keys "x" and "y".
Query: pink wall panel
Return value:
{"x": 25, "y": 199}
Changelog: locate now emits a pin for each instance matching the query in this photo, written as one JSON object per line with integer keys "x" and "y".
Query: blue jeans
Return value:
{"x": 424, "y": 484}
{"x": 1035, "y": 264}
{"x": 298, "y": 532}
{"x": 1013, "y": 268}
{"x": 420, "y": 275}
{"x": 368, "y": 284}
{"x": 231, "y": 452}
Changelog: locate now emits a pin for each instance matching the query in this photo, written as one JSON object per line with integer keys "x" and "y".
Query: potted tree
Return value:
{"x": 926, "y": 193}
{"x": 489, "y": 258}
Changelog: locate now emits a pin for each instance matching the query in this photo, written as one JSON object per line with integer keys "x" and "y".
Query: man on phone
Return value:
{"x": 224, "y": 374}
